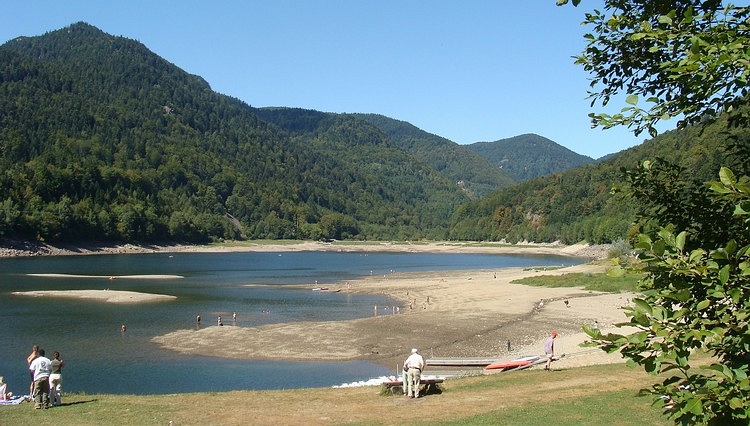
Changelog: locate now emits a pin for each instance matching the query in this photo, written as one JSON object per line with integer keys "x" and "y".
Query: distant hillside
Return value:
{"x": 101, "y": 139}
{"x": 370, "y": 166}
{"x": 529, "y": 156}
{"x": 457, "y": 163}
{"x": 579, "y": 205}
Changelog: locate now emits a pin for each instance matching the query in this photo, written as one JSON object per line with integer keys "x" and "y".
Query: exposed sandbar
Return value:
{"x": 110, "y": 277}
{"x": 469, "y": 314}
{"x": 108, "y": 296}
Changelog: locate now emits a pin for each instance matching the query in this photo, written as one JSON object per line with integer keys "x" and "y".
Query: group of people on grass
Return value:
{"x": 46, "y": 378}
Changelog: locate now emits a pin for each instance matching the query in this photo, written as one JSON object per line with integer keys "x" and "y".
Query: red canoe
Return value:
{"x": 506, "y": 364}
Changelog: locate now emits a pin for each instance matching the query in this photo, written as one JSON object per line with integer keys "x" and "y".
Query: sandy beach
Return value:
{"x": 478, "y": 313}
{"x": 107, "y": 296}
{"x": 445, "y": 314}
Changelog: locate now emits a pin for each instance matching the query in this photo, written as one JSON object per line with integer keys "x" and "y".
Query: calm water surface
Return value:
{"x": 260, "y": 287}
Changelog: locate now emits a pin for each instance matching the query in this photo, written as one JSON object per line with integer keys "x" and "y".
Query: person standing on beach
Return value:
{"x": 55, "y": 379}
{"x": 549, "y": 349}
{"x": 40, "y": 367}
{"x": 413, "y": 365}
{"x": 32, "y": 356}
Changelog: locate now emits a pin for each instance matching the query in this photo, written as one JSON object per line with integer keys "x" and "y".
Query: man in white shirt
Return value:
{"x": 41, "y": 367}
{"x": 413, "y": 366}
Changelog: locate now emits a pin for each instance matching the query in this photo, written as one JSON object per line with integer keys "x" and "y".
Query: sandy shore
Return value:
{"x": 452, "y": 314}
{"x": 108, "y": 296}
{"x": 13, "y": 248}
{"x": 110, "y": 277}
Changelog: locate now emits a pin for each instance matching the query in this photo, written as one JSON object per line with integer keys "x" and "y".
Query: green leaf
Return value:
{"x": 639, "y": 337}
{"x": 694, "y": 405}
{"x": 632, "y": 99}
{"x": 680, "y": 240}
{"x": 740, "y": 374}
{"x": 592, "y": 332}
{"x": 696, "y": 255}
{"x": 683, "y": 295}
{"x": 664, "y": 19}
{"x": 727, "y": 177}
{"x": 719, "y": 187}
{"x": 743, "y": 186}
{"x": 717, "y": 294}
{"x": 703, "y": 304}
{"x": 724, "y": 274}
{"x": 642, "y": 306}
{"x": 731, "y": 247}
{"x": 736, "y": 403}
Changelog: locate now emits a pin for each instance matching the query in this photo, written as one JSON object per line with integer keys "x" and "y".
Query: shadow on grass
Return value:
{"x": 65, "y": 404}
{"x": 431, "y": 389}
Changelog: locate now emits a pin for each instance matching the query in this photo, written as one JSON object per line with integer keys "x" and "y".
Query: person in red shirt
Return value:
{"x": 549, "y": 349}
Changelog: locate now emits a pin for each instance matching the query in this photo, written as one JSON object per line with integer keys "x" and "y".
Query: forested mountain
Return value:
{"x": 101, "y": 139}
{"x": 457, "y": 163}
{"x": 579, "y": 204}
{"x": 529, "y": 156}
{"x": 372, "y": 174}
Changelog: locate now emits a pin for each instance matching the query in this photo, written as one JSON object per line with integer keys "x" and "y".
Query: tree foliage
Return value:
{"x": 695, "y": 300}
{"x": 101, "y": 139}
{"x": 529, "y": 156}
{"x": 584, "y": 203}
{"x": 690, "y": 59}
{"x": 683, "y": 59}
{"x": 473, "y": 173}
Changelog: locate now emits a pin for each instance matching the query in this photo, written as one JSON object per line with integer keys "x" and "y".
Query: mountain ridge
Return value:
{"x": 103, "y": 139}
{"x": 529, "y": 156}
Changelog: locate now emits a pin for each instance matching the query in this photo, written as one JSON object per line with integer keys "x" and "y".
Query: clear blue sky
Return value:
{"x": 470, "y": 71}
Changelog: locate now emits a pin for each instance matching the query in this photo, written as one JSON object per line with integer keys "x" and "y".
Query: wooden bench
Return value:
{"x": 426, "y": 386}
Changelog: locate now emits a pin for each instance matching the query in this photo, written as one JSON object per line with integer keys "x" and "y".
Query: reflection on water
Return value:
{"x": 100, "y": 358}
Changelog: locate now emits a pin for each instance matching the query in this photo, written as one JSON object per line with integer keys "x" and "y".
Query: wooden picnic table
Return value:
{"x": 426, "y": 385}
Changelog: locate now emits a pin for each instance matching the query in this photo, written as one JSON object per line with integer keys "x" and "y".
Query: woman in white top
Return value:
{"x": 4, "y": 394}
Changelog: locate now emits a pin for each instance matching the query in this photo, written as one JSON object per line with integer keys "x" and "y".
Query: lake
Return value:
{"x": 262, "y": 288}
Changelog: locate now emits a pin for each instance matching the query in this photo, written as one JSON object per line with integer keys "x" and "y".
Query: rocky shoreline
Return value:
{"x": 21, "y": 248}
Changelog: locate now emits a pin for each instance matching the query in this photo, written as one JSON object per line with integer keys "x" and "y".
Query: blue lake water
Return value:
{"x": 262, "y": 288}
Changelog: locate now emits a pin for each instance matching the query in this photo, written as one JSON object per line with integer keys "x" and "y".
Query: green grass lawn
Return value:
{"x": 592, "y": 282}
{"x": 595, "y": 395}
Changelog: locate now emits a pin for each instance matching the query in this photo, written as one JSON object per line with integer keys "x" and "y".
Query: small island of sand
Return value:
{"x": 108, "y": 296}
